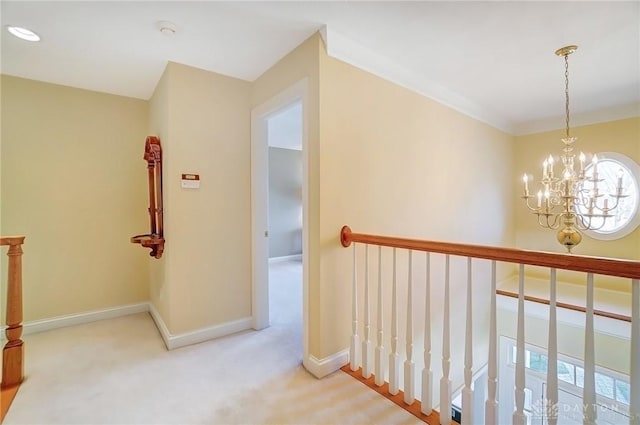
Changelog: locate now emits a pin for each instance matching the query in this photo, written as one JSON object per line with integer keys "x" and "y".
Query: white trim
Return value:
{"x": 162, "y": 327}
{"x": 323, "y": 367}
{"x": 632, "y": 168}
{"x": 260, "y": 206}
{"x": 173, "y": 341}
{"x": 284, "y": 258}
{"x": 613, "y": 113}
{"x": 345, "y": 49}
{"x": 57, "y": 322}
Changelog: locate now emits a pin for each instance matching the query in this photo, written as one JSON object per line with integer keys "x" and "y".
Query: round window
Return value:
{"x": 616, "y": 170}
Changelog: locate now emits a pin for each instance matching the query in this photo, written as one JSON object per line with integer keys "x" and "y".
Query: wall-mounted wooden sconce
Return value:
{"x": 155, "y": 239}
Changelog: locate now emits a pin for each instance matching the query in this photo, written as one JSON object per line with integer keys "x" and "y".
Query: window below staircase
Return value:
{"x": 612, "y": 388}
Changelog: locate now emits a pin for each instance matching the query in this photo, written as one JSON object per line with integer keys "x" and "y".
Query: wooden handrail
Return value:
{"x": 567, "y": 306}
{"x": 599, "y": 265}
{"x": 13, "y": 354}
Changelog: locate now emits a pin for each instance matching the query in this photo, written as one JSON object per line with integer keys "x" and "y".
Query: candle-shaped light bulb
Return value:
{"x": 525, "y": 179}
{"x": 539, "y": 198}
{"x": 619, "y": 174}
{"x": 594, "y": 163}
{"x": 545, "y": 164}
{"x": 582, "y": 158}
{"x": 547, "y": 195}
{"x": 550, "y": 160}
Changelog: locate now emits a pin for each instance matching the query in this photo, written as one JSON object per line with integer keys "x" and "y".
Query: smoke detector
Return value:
{"x": 167, "y": 28}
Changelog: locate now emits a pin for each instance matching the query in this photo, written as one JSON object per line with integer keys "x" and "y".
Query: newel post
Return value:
{"x": 13, "y": 353}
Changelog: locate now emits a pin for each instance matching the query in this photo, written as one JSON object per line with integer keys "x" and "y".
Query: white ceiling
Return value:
{"x": 492, "y": 60}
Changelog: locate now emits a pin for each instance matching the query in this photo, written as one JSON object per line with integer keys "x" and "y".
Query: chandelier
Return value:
{"x": 575, "y": 199}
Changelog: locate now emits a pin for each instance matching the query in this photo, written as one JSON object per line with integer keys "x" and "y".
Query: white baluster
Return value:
{"x": 589, "y": 390}
{"x": 380, "y": 347}
{"x": 445, "y": 382}
{"x": 427, "y": 374}
{"x": 366, "y": 344}
{"x": 491, "y": 405}
{"x": 551, "y": 402}
{"x": 394, "y": 359}
{"x": 409, "y": 366}
{"x": 634, "y": 370}
{"x": 354, "y": 348}
{"x": 467, "y": 392}
{"x": 518, "y": 415}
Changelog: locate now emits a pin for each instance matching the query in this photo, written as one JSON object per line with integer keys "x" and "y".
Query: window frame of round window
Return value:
{"x": 632, "y": 169}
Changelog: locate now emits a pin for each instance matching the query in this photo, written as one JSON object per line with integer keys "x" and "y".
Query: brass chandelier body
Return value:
{"x": 573, "y": 200}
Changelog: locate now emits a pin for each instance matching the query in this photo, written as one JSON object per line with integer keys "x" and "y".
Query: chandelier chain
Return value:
{"x": 566, "y": 91}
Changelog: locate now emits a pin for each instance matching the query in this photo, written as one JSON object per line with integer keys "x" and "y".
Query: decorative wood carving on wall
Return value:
{"x": 155, "y": 239}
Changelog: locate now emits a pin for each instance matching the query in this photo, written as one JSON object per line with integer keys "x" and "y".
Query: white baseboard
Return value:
{"x": 79, "y": 318}
{"x": 323, "y": 367}
{"x": 199, "y": 335}
{"x": 162, "y": 328}
{"x": 171, "y": 341}
{"x": 296, "y": 257}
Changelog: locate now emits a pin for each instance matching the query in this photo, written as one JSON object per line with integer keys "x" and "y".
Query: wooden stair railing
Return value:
{"x": 359, "y": 349}
{"x": 13, "y": 353}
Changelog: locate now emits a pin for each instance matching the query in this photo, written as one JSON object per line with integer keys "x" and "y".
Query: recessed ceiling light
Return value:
{"x": 23, "y": 33}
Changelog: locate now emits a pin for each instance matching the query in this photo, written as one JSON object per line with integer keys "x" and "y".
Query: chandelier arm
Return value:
{"x": 555, "y": 222}
{"x": 526, "y": 200}
{"x": 602, "y": 223}
{"x": 580, "y": 222}
{"x": 544, "y": 222}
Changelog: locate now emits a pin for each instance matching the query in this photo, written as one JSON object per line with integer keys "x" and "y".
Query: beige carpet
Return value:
{"x": 119, "y": 372}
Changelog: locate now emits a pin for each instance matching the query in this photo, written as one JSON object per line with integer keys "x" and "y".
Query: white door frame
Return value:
{"x": 260, "y": 205}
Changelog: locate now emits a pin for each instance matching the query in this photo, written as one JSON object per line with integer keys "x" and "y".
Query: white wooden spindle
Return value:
{"x": 366, "y": 343}
{"x": 409, "y": 366}
{"x": 467, "y": 392}
{"x": 491, "y": 405}
{"x": 379, "y": 371}
{"x": 354, "y": 347}
{"x": 551, "y": 401}
{"x": 394, "y": 359}
{"x": 589, "y": 390}
{"x": 427, "y": 374}
{"x": 445, "y": 382}
{"x": 634, "y": 370}
{"x": 518, "y": 414}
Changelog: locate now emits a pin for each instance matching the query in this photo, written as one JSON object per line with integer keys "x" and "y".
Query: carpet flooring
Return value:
{"x": 118, "y": 372}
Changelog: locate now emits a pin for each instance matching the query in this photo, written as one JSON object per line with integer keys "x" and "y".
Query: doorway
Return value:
{"x": 285, "y": 238}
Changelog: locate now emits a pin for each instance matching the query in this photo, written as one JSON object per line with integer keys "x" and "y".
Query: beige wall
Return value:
{"x": 395, "y": 163}
{"x": 74, "y": 182}
{"x": 205, "y": 129}
{"x": 621, "y": 136}
{"x": 385, "y": 160}
{"x": 302, "y": 63}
